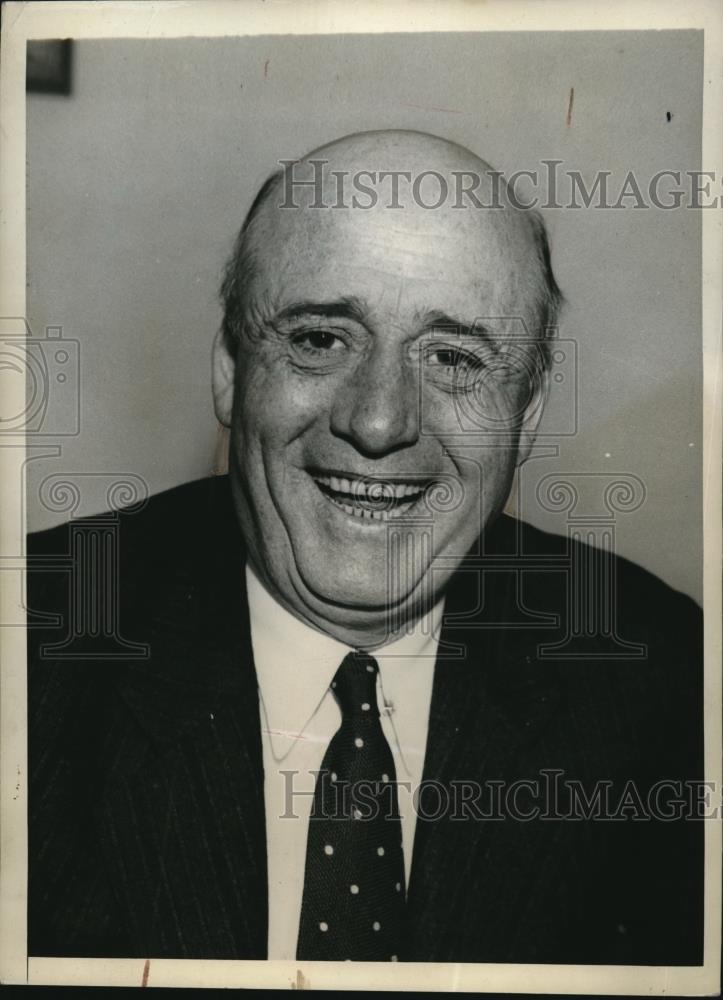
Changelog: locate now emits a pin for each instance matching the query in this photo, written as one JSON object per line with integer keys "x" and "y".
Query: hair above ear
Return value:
{"x": 239, "y": 269}
{"x": 551, "y": 299}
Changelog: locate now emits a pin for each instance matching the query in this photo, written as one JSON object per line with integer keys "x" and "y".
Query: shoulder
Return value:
{"x": 555, "y": 567}
{"x": 103, "y": 590}
{"x": 155, "y": 525}
{"x": 621, "y": 648}
{"x": 136, "y": 549}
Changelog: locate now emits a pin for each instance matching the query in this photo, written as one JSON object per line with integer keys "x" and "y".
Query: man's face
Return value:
{"x": 372, "y": 382}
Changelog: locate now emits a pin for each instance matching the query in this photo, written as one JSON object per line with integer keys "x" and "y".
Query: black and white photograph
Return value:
{"x": 360, "y": 524}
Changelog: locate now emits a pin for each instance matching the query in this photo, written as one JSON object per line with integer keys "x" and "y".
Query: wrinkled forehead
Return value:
{"x": 377, "y": 227}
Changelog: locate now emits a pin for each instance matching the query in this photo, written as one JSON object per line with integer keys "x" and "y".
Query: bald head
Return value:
{"x": 403, "y": 197}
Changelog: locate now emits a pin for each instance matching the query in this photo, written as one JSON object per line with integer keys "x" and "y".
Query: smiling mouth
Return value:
{"x": 370, "y": 499}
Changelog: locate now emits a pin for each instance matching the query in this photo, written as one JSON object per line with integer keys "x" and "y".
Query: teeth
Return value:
{"x": 369, "y": 499}
{"x": 371, "y": 489}
{"x": 361, "y": 512}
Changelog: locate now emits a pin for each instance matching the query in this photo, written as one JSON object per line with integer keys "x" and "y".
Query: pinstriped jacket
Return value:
{"x": 146, "y": 814}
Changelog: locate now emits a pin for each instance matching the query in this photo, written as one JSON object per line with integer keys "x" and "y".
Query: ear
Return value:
{"x": 532, "y": 416}
{"x": 223, "y": 371}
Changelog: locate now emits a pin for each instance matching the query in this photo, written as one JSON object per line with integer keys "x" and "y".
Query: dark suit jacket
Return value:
{"x": 147, "y": 829}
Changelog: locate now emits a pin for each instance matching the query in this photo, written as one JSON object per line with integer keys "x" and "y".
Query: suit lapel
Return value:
{"x": 182, "y": 824}
{"x": 488, "y": 709}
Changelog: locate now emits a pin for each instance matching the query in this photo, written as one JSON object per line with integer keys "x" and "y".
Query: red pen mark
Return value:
{"x": 146, "y": 970}
{"x": 568, "y": 120}
{"x": 266, "y": 68}
{"x": 425, "y": 107}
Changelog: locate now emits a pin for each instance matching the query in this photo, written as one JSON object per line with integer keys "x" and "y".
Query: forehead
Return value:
{"x": 462, "y": 261}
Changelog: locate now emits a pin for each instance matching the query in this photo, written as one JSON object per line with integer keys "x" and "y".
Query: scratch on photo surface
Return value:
{"x": 568, "y": 120}
{"x": 285, "y": 732}
{"x": 266, "y": 68}
{"x": 146, "y": 970}
{"x": 428, "y": 107}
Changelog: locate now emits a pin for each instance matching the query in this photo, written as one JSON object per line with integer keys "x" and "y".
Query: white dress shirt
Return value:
{"x": 295, "y": 665}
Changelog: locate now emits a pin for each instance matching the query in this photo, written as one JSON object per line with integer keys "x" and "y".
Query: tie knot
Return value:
{"x": 355, "y": 685}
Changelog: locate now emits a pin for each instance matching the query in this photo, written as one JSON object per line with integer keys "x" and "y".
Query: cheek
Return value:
{"x": 275, "y": 403}
{"x": 486, "y": 472}
{"x": 488, "y": 406}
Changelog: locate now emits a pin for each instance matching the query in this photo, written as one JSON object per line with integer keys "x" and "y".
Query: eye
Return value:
{"x": 450, "y": 362}
{"x": 317, "y": 341}
{"x": 447, "y": 357}
{"x": 317, "y": 350}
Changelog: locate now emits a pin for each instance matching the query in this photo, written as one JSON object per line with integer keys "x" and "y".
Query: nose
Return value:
{"x": 377, "y": 408}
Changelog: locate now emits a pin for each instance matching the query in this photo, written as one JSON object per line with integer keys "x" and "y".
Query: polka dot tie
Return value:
{"x": 354, "y": 888}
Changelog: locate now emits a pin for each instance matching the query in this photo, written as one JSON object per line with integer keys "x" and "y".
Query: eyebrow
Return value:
{"x": 433, "y": 319}
{"x": 348, "y": 307}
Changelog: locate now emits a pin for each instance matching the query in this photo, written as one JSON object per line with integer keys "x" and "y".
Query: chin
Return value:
{"x": 360, "y": 576}
{"x": 352, "y": 589}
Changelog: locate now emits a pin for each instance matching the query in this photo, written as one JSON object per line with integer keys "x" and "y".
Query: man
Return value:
{"x": 349, "y": 609}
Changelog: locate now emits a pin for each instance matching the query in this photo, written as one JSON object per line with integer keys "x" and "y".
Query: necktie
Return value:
{"x": 353, "y": 901}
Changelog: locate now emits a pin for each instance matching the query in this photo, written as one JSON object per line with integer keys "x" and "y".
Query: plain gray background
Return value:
{"x": 138, "y": 182}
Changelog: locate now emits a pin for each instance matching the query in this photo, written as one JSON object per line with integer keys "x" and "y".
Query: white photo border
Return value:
{"x": 214, "y": 18}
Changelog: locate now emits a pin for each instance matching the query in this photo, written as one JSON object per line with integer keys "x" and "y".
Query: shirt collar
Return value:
{"x": 295, "y": 663}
